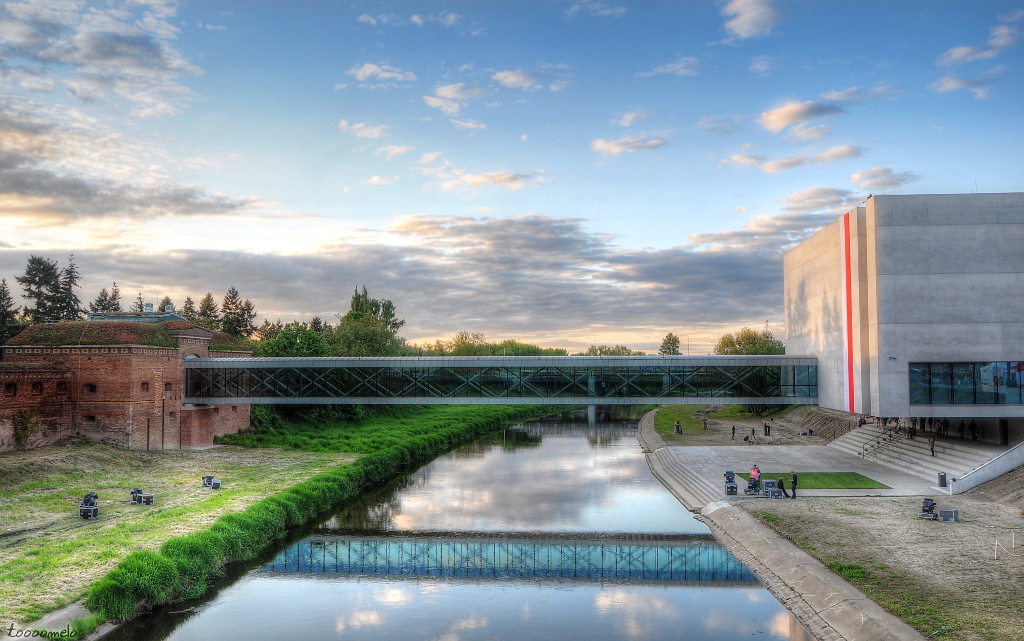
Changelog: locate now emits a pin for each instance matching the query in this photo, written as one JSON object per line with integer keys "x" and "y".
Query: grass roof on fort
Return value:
{"x": 95, "y": 333}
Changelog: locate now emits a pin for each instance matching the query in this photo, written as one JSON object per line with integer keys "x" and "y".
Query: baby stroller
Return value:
{"x": 753, "y": 487}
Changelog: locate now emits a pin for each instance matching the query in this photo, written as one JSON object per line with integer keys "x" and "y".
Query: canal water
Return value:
{"x": 549, "y": 530}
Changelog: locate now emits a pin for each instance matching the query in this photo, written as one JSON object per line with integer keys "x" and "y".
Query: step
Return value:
{"x": 697, "y": 491}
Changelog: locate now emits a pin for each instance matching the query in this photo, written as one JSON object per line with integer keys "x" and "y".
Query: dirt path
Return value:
{"x": 48, "y": 556}
{"x": 722, "y": 418}
{"x": 939, "y": 577}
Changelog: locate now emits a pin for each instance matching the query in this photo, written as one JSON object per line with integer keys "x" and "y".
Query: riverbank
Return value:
{"x": 183, "y": 566}
{"x": 49, "y": 557}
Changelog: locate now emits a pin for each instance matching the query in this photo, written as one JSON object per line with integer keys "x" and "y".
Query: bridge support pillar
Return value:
{"x": 591, "y": 414}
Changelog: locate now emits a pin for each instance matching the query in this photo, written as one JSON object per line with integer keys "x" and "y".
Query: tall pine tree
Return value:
{"x": 165, "y": 302}
{"x": 41, "y": 285}
{"x": 68, "y": 306}
{"x": 139, "y": 306}
{"x": 9, "y": 324}
{"x": 188, "y": 310}
{"x": 107, "y": 303}
{"x": 208, "y": 316}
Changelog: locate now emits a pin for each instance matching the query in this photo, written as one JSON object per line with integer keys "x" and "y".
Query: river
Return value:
{"x": 549, "y": 530}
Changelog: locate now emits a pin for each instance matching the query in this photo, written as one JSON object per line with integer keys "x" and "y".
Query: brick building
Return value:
{"x": 113, "y": 380}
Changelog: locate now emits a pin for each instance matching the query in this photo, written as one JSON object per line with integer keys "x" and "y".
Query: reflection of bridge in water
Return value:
{"x": 564, "y": 380}
{"x": 576, "y": 557}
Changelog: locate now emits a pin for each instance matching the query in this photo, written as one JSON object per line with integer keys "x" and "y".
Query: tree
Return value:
{"x": 610, "y": 350}
{"x": 669, "y": 345}
{"x": 41, "y": 285}
{"x": 107, "y": 303}
{"x": 238, "y": 315}
{"x": 370, "y": 328}
{"x": 208, "y": 317}
{"x": 267, "y": 331}
{"x": 188, "y": 310}
{"x": 749, "y": 342}
{"x": 139, "y": 306}
{"x": 68, "y": 306}
{"x": 317, "y": 325}
{"x": 295, "y": 339}
{"x": 9, "y": 325}
{"x": 165, "y": 302}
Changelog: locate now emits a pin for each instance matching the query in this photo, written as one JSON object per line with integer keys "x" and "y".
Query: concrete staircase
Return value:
{"x": 952, "y": 455}
{"x": 691, "y": 490}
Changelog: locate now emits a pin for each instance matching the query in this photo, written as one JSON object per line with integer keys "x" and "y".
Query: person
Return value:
{"x": 781, "y": 483}
{"x": 792, "y": 483}
{"x": 755, "y": 475}
{"x": 752, "y": 432}
{"x": 912, "y": 432}
{"x": 930, "y": 422}
{"x": 974, "y": 431}
{"x": 945, "y": 428}
{"x": 705, "y": 422}
{"x": 679, "y": 428}
{"x": 962, "y": 428}
{"x": 734, "y": 432}
{"x": 931, "y": 444}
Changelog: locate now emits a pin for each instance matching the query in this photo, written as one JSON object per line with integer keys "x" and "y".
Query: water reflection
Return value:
{"x": 552, "y": 530}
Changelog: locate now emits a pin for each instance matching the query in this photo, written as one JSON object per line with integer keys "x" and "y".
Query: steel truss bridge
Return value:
{"x": 577, "y": 558}
{"x": 563, "y": 380}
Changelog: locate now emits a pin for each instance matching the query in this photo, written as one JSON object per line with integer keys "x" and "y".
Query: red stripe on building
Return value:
{"x": 849, "y": 312}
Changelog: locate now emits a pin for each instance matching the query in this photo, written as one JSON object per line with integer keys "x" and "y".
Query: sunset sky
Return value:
{"x": 558, "y": 172}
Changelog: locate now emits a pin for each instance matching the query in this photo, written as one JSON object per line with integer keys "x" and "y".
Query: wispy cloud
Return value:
{"x": 469, "y": 124}
{"x": 749, "y": 18}
{"x": 792, "y": 113}
{"x": 720, "y": 125}
{"x": 1000, "y": 37}
{"x": 363, "y": 130}
{"x": 381, "y": 180}
{"x": 627, "y": 144}
{"x": 594, "y": 8}
{"x": 859, "y": 94}
{"x": 627, "y": 119}
{"x": 517, "y": 80}
{"x": 978, "y": 85}
{"x": 880, "y": 179}
{"x": 840, "y": 152}
{"x": 509, "y": 180}
{"x": 369, "y": 70}
{"x": 761, "y": 65}
{"x": 451, "y": 98}
{"x": 679, "y": 67}
{"x": 394, "y": 150}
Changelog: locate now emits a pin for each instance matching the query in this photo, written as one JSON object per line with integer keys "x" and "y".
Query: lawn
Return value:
{"x": 665, "y": 419}
{"x": 826, "y": 480}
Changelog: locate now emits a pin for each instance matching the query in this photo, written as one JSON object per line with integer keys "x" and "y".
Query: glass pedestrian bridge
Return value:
{"x": 454, "y": 380}
{"x": 580, "y": 558}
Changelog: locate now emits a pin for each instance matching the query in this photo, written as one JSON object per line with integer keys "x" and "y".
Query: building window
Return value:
{"x": 37, "y": 389}
{"x": 170, "y": 415}
{"x": 216, "y": 410}
{"x": 11, "y": 389}
{"x": 62, "y": 388}
{"x": 89, "y": 388}
{"x": 167, "y": 387}
{"x": 998, "y": 383}
{"x": 91, "y": 418}
{"x": 145, "y": 386}
{"x": 234, "y": 408}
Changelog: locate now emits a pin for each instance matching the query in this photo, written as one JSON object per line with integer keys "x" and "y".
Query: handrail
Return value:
{"x": 888, "y": 435}
{"x": 1014, "y": 452}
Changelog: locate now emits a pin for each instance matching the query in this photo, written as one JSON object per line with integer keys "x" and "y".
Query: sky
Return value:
{"x": 560, "y": 172}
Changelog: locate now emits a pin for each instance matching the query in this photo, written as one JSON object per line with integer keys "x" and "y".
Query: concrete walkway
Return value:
{"x": 828, "y": 607}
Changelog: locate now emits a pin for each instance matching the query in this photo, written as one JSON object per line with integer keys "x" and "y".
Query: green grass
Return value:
{"x": 665, "y": 419}
{"x": 826, "y": 480}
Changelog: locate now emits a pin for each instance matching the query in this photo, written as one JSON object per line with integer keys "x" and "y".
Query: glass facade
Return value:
{"x": 998, "y": 383}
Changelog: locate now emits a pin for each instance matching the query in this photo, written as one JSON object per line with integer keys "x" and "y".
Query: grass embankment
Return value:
{"x": 689, "y": 416}
{"x": 48, "y": 556}
{"x": 184, "y": 565}
{"x": 825, "y": 480}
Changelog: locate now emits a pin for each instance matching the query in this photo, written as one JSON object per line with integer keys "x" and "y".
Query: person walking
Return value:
{"x": 734, "y": 432}
{"x": 931, "y": 444}
{"x": 792, "y": 483}
{"x": 679, "y": 428}
{"x": 782, "y": 486}
{"x": 974, "y": 431}
{"x": 945, "y": 428}
{"x": 962, "y": 428}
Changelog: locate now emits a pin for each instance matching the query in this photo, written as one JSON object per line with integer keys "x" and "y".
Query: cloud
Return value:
{"x": 1000, "y": 37}
{"x": 796, "y": 112}
{"x": 627, "y": 144}
{"x": 749, "y": 18}
{"x": 394, "y": 150}
{"x": 431, "y": 157}
{"x": 801, "y": 132}
{"x": 978, "y": 86}
{"x": 599, "y": 9}
{"x": 831, "y": 155}
{"x": 627, "y": 119}
{"x": 416, "y": 19}
{"x": 720, "y": 125}
{"x": 451, "y": 98}
{"x": 881, "y": 179}
{"x": 743, "y": 159}
{"x": 384, "y": 72}
{"x": 368, "y": 19}
{"x": 833, "y": 201}
{"x": 35, "y": 83}
{"x": 448, "y": 19}
{"x": 509, "y": 180}
{"x": 858, "y": 94}
{"x": 363, "y": 130}
{"x": 381, "y": 180}
{"x": 680, "y": 67}
{"x": 516, "y": 80}
{"x": 125, "y": 51}
{"x": 1013, "y": 16}
{"x": 469, "y": 124}
{"x": 761, "y": 65}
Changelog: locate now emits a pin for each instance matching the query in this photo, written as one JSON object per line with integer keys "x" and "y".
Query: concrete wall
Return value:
{"x": 947, "y": 280}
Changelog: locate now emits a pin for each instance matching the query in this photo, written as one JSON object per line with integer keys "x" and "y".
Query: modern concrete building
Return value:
{"x": 914, "y": 306}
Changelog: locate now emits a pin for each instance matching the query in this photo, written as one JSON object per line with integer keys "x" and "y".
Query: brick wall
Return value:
{"x": 46, "y": 390}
